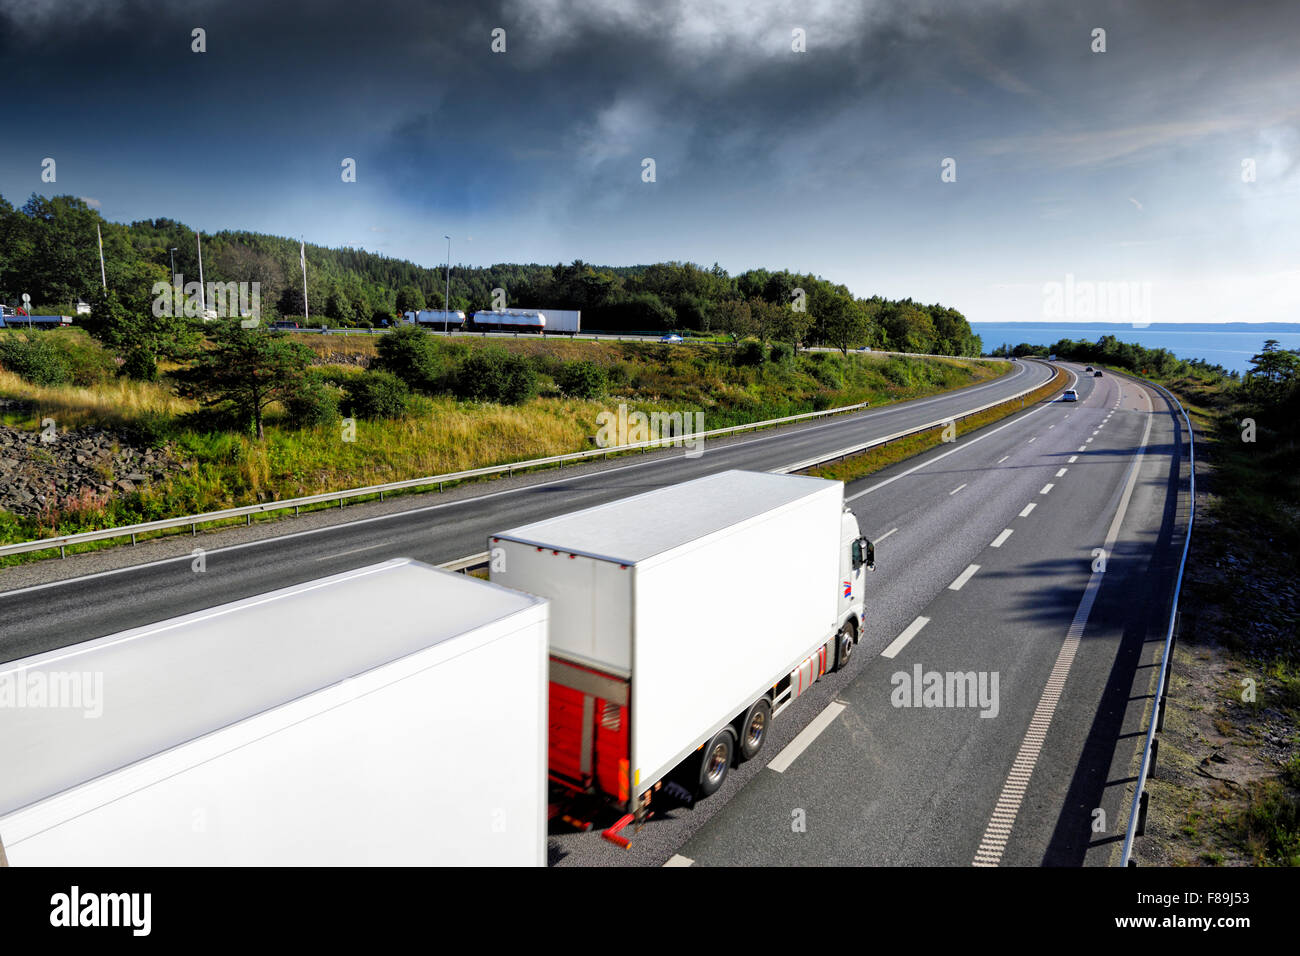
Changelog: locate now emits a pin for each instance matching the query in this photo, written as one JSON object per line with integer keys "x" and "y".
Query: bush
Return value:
{"x": 781, "y": 353}
{"x": 35, "y": 360}
{"x": 139, "y": 366}
{"x": 409, "y": 353}
{"x": 494, "y": 375}
{"x": 377, "y": 395}
{"x": 315, "y": 403}
{"x": 750, "y": 352}
{"x": 582, "y": 379}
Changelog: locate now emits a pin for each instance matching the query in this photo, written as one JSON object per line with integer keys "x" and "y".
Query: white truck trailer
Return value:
{"x": 435, "y": 318}
{"x": 567, "y": 321}
{"x": 682, "y": 620}
{"x": 339, "y": 722}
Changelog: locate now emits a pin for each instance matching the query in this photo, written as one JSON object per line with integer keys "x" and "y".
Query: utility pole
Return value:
{"x": 173, "y": 253}
{"x": 446, "y": 295}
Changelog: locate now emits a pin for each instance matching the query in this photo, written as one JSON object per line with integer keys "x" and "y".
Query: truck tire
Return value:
{"x": 715, "y": 761}
{"x": 844, "y": 642}
{"x": 752, "y": 729}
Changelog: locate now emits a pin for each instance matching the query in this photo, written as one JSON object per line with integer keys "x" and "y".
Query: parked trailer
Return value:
{"x": 508, "y": 320}
{"x": 683, "y": 620}
{"x": 435, "y": 317}
{"x": 391, "y": 715}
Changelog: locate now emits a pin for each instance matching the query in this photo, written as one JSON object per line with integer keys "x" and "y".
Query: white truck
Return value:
{"x": 436, "y": 318}
{"x": 339, "y": 722}
{"x": 568, "y": 321}
{"x": 683, "y": 620}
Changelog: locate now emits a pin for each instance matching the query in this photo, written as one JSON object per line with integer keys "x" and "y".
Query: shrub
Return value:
{"x": 315, "y": 403}
{"x": 494, "y": 375}
{"x": 377, "y": 395}
{"x": 781, "y": 353}
{"x": 35, "y": 360}
{"x": 582, "y": 379}
{"x": 409, "y": 353}
{"x": 140, "y": 366}
{"x": 750, "y": 352}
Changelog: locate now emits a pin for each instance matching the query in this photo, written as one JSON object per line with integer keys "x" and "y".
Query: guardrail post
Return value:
{"x": 63, "y": 552}
{"x": 194, "y": 529}
{"x": 1155, "y": 749}
{"x": 248, "y": 520}
{"x": 1142, "y": 815}
{"x": 295, "y": 511}
{"x": 381, "y": 496}
{"x": 133, "y": 539}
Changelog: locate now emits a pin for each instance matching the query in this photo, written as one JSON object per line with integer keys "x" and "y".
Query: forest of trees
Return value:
{"x": 48, "y": 250}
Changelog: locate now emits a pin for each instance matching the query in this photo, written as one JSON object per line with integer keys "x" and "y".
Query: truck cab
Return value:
{"x": 857, "y": 556}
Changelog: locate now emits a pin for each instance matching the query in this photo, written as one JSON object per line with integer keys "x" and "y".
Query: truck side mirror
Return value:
{"x": 871, "y": 554}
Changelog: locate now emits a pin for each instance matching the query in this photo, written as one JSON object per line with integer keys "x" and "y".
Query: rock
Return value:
{"x": 125, "y": 486}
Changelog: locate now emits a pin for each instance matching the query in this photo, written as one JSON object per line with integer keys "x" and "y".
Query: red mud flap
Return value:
{"x": 612, "y": 834}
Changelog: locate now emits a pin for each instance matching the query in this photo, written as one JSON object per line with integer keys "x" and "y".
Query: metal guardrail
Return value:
{"x": 62, "y": 542}
{"x": 247, "y": 511}
{"x": 1138, "y": 811}
{"x": 863, "y": 446}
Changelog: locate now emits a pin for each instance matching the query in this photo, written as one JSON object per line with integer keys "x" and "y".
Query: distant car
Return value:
{"x": 1070, "y": 395}
{"x": 865, "y": 348}
{"x": 1097, "y": 374}
{"x": 284, "y": 325}
{"x": 1088, "y": 369}
{"x": 671, "y": 339}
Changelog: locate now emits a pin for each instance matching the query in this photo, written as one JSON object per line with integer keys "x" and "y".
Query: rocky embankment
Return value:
{"x": 37, "y": 473}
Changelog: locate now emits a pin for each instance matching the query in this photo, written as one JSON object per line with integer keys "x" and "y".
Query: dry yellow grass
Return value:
{"x": 116, "y": 402}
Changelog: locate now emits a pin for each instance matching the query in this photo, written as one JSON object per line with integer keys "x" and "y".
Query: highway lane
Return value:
{"x": 39, "y": 618}
{"x": 884, "y": 784}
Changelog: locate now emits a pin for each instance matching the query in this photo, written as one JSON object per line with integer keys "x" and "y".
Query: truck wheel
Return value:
{"x": 844, "y": 647}
{"x": 715, "y": 761}
{"x": 753, "y": 728}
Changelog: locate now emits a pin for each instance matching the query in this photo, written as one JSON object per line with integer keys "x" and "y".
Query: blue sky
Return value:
{"x": 1115, "y": 167}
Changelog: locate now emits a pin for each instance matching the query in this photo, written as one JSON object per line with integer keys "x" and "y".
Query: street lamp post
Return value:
{"x": 446, "y": 295}
{"x": 173, "y": 253}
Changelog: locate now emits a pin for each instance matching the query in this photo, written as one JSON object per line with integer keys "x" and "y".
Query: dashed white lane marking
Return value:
{"x": 1083, "y": 448}
{"x": 885, "y": 535}
{"x": 1001, "y": 539}
{"x": 1032, "y": 440}
{"x": 1050, "y": 427}
{"x": 1046, "y": 488}
{"x": 678, "y": 860}
{"x": 962, "y": 578}
{"x": 1072, "y": 459}
{"x": 1003, "y": 458}
{"x": 1028, "y": 508}
{"x": 1062, "y": 472}
{"x": 998, "y": 832}
{"x": 957, "y": 489}
{"x": 900, "y": 642}
{"x": 794, "y": 748}
{"x": 1088, "y": 441}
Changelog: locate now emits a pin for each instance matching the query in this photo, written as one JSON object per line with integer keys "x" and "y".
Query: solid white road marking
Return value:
{"x": 343, "y": 554}
{"x": 678, "y": 860}
{"x": 962, "y": 578}
{"x": 794, "y": 748}
{"x": 957, "y": 489}
{"x": 998, "y": 832}
{"x": 900, "y": 642}
{"x": 1001, "y": 539}
{"x": 1046, "y": 488}
{"x": 1028, "y": 508}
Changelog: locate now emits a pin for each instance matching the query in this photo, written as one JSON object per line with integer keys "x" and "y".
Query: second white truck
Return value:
{"x": 683, "y": 620}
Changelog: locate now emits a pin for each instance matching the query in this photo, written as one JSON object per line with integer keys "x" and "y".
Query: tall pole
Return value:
{"x": 203, "y": 304}
{"x": 103, "y": 278}
{"x": 446, "y": 295}
{"x": 302, "y": 255}
{"x": 173, "y": 254}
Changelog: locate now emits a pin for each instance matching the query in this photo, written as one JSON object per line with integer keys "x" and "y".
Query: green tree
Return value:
{"x": 245, "y": 370}
{"x": 410, "y": 298}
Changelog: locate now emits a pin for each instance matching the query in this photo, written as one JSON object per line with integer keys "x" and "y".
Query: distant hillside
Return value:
{"x": 48, "y": 249}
